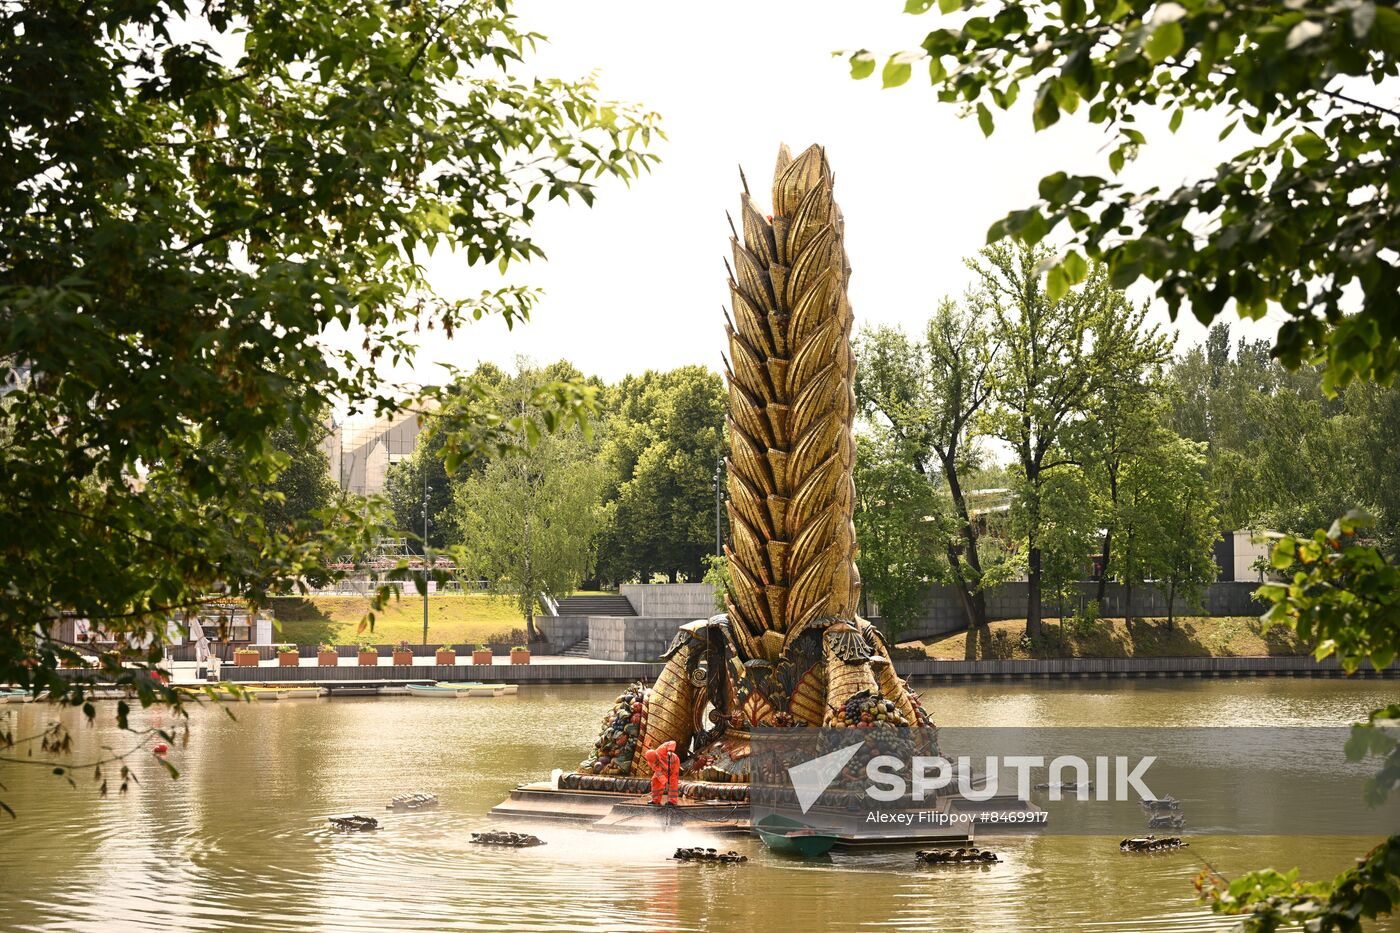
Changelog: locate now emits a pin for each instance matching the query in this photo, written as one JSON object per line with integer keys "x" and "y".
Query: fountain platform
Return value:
{"x": 613, "y": 811}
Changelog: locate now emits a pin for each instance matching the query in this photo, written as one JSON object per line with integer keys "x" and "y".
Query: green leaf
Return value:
{"x": 1310, "y": 146}
{"x": 1072, "y": 11}
{"x": 984, "y": 119}
{"x": 896, "y": 72}
{"x": 862, "y": 65}
{"x": 1386, "y": 33}
{"x": 1166, "y": 41}
{"x": 1056, "y": 285}
{"x": 949, "y": 6}
{"x": 918, "y": 6}
{"x": 1075, "y": 268}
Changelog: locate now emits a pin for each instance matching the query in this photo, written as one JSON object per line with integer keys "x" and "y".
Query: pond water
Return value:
{"x": 239, "y": 842}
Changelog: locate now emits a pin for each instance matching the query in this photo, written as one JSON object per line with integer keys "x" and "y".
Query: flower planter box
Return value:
{"x": 403, "y": 658}
{"x": 288, "y": 659}
{"x": 245, "y": 658}
{"x": 327, "y": 658}
{"x": 481, "y": 656}
{"x": 445, "y": 657}
{"x": 369, "y": 658}
{"x": 520, "y": 655}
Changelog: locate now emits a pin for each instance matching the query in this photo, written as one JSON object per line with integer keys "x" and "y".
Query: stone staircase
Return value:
{"x": 577, "y": 650}
{"x": 604, "y": 604}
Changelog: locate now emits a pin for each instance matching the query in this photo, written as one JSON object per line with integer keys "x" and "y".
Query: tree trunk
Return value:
{"x": 528, "y": 589}
{"x": 1171, "y": 601}
{"x": 1033, "y": 626}
{"x": 1103, "y": 567}
{"x": 1033, "y": 569}
{"x": 1108, "y": 535}
{"x": 1127, "y": 602}
{"x": 969, "y": 585}
{"x": 974, "y": 602}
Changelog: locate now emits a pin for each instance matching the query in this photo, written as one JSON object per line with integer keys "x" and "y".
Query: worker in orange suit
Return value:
{"x": 665, "y": 773}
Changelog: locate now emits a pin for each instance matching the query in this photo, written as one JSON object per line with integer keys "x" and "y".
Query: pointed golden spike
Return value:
{"x": 758, "y": 233}
{"x": 784, "y": 160}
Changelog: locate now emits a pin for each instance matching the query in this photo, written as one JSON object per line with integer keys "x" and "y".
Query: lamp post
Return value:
{"x": 426, "y": 489}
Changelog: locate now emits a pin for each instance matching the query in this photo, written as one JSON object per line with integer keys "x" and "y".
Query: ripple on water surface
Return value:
{"x": 240, "y": 842}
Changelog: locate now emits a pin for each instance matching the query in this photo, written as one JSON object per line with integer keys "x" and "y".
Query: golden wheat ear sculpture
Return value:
{"x": 791, "y": 378}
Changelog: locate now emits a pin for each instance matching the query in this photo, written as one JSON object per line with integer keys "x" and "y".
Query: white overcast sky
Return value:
{"x": 638, "y": 281}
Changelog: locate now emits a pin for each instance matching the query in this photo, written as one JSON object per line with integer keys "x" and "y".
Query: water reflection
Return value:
{"x": 240, "y": 841}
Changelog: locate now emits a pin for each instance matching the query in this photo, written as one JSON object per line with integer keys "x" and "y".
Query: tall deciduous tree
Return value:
{"x": 664, "y": 437}
{"x": 1067, "y": 533}
{"x": 1055, "y": 354}
{"x": 1167, "y": 519}
{"x": 189, "y": 198}
{"x": 930, "y": 394}
{"x": 1123, "y": 424}
{"x": 527, "y": 521}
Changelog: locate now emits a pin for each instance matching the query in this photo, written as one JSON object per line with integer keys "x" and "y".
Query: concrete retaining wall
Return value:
{"x": 942, "y": 610}
{"x": 618, "y": 638}
{"x": 1134, "y": 667}
{"x": 562, "y": 631}
{"x": 670, "y": 600}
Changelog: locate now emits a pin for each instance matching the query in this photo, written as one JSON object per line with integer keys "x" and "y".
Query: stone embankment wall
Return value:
{"x": 942, "y": 611}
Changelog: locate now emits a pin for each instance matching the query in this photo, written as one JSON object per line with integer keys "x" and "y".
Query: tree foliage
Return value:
{"x": 1302, "y": 218}
{"x": 664, "y": 438}
{"x": 930, "y": 393}
{"x": 188, "y": 201}
{"x": 1056, "y": 353}
{"x": 902, "y": 524}
{"x": 1167, "y": 519}
{"x": 527, "y": 520}
{"x": 1282, "y": 455}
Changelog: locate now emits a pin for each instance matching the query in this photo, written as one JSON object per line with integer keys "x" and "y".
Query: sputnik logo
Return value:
{"x": 811, "y": 778}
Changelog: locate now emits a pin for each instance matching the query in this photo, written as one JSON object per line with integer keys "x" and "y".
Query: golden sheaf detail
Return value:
{"x": 667, "y": 707}
{"x": 791, "y": 374}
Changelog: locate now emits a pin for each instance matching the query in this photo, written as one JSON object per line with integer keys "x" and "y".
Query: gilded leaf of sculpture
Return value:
{"x": 791, "y": 371}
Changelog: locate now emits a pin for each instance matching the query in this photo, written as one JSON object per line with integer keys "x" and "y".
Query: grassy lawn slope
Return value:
{"x": 457, "y": 620}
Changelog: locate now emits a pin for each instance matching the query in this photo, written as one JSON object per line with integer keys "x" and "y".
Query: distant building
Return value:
{"x": 1239, "y": 557}
{"x": 368, "y": 450}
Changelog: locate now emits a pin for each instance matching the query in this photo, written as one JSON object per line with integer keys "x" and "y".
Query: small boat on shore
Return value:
{"x": 278, "y": 692}
{"x": 456, "y": 691}
{"x": 791, "y": 837}
{"x": 15, "y": 695}
{"x": 499, "y": 689}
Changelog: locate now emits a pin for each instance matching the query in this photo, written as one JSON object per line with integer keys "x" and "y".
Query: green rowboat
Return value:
{"x": 791, "y": 837}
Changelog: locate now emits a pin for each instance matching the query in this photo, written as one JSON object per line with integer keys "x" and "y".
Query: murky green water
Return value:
{"x": 239, "y": 842}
